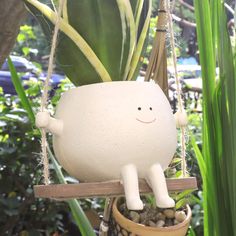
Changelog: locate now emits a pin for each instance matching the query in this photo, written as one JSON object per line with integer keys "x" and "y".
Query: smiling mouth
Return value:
{"x": 146, "y": 122}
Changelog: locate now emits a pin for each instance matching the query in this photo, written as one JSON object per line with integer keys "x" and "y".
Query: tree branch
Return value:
{"x": 183, "y": 21}
{"x": 229, "y": 8}
{"x": 182, "y": 2}
{"x": 12, "y": 14}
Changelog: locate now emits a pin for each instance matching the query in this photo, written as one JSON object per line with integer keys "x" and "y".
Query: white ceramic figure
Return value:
{"x": 116, "y": 130}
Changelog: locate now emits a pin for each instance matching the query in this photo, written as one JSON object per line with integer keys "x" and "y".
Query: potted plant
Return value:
{"x": 99, "y": 128}
{"x": 99, "y": 41}
{"x": 150, "y": 221}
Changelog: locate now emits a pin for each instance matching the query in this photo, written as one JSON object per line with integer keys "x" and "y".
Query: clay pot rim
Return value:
{"x": 120, "y": 217}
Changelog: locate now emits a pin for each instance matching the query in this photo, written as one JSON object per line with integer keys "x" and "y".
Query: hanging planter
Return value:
{"x": 117, "y": 129}
{"x": 106, "y": 131}
{"x": 121, "y": 225}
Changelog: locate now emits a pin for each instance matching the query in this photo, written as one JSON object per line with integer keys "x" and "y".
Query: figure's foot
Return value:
{"x": 165, "y": 202}
{"x": 134, "y": 204}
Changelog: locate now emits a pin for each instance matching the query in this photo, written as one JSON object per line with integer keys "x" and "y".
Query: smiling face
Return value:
{"x": 109, "y": 125}
{"x": 146, "y": 119}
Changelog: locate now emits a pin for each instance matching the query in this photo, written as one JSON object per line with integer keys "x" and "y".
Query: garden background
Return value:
{"x": 20, "y": 164}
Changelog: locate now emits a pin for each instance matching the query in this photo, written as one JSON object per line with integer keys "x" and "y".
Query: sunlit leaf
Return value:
{"x": 109, "y": 33}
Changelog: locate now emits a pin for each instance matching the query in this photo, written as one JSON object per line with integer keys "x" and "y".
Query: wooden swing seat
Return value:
{"x": 105, "y": 189}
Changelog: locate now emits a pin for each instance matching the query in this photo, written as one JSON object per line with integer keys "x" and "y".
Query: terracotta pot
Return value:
{"x": 124, "y": 226}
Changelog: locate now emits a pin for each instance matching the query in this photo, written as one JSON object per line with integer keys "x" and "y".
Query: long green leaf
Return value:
{"x": 191, "y": 232}
{"x": 138, "y": 12}
{"x": 207, "y": 59}
{"x": 77, "y": 212}
{"x": 77, "y": 39}
{"x": 219, "y": 138}
{"x": 200, "y": 160}
{"x": 20, "y": 90}
{"x": 126, "y": 10}
{"x": 65, "y": 12}
{"x": 137, "y": 54}
{"x": 228, "y": 112}
{"x": 105, "y": 28}
{"x": 104, "y": 33}
{"x": 80, "y": 218}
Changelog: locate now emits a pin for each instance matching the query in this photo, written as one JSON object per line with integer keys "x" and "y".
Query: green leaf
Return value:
{"x": 26, "y": 51}
{"x": 126, "y": 15}
{"x": 201, "y": 162}
{"x": 20, "y": 90}
{"x": 97, "y": 39}
{"x": 21, "y": 38}
{"x": 183, "y": 194}
{"x": 138, "y": 12}
{"x": 191, "y": 232}
{"x": 219, "y": 126}
{"x": 80, "y": 218}
{"x": 77, "y": 212}
{"x": 70, "y": 45}
{"x": 182, "y": 202}
{"x": 140, "y": 44}
{"x": 102, "y": 30}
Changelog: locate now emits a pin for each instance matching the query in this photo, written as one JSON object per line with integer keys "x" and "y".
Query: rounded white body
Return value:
{"x": 109, "y": 125}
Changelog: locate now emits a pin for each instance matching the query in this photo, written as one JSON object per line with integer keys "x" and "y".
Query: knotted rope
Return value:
{"x": 44, "y": 99}
{"x": 178, "y": 84}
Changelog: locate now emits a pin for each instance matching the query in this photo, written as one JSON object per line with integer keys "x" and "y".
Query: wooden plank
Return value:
{"x": 104, "y": 189}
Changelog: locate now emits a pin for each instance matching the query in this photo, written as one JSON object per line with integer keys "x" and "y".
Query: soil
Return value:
{"x": 154, "y": 216}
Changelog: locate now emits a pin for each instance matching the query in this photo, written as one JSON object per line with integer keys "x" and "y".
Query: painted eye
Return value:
{"x": 150, "y": 108}
{"x": 139, "y": 108}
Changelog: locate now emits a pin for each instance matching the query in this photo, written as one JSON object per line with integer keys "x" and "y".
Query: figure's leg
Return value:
{"x": 157, "y": 182}
{"x": 129, "y": 178}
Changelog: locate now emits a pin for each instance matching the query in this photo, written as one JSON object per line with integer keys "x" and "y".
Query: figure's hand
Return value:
{"x": 181, "y": 118}
{"x": 42, "y": 119}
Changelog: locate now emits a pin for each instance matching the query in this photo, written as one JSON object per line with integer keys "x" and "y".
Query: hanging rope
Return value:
{"x": 178, "y": 85}
{"x": 44, "y": 99}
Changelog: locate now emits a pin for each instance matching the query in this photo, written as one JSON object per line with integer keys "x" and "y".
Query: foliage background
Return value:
{"x": 20, "y": 166}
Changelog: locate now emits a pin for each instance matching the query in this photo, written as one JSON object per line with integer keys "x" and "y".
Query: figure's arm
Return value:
{"x": 181, "y": 118}
{"x": 44, "y": 120}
